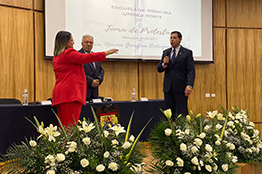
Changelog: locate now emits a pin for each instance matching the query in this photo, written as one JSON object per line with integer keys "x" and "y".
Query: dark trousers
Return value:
{"x": 177, "y": 102}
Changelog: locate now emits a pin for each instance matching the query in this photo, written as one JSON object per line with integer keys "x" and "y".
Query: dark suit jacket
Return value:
{"x": 91, "y": 74}
{"x": 181, "y": 73}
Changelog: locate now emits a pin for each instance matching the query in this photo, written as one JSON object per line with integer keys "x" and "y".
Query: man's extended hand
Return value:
{"x": 188, "y": 91}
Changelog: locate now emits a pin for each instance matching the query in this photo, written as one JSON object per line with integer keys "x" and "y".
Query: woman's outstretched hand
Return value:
{"x": 112, "y": 51}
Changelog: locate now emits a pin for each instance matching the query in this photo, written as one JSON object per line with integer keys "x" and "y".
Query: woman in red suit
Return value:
{"x": 69, "y": 93}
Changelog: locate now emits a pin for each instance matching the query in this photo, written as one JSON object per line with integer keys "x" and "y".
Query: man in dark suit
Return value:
{"x": 178, "y": 64}
{"x": 93, "y": 71}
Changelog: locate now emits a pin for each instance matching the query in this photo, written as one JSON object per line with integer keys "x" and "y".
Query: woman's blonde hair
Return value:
{"x": 61, "y": 40}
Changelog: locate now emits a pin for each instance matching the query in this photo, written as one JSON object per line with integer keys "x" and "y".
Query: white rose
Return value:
{"x": 231, "y": 146}
{"x": 132, "y": 138}
{"x": 231, "y": 116}
{"x": 50, "y": 172}
{"x": 206, "y": 128}
{"x": 230, "y": 123}
{"x": 32, "y": 143}
{"x": 218, "y": 143}
{"x": 253, "y": 149}
{"x": 202, "y": 135}
{"x": 50, "y": 159}
{"x": 179, "y": 162}
{"x": 208, "y": 148}
{"x": 249, "y": 150}
{"x": 249, "y": 127}
{"x": 84, "y": 162}
{"x": 217, "y": 136}
{"x": 194, "y": 149}
{"x": 60, "y": 157}
{"x": 234, "y": 160}
{"x": 251, "y": 124}
{"x": 220, "y": 116}
{"x": 100, "y": 168}
{"x": 238, "y": 116}
{"x": 106, "y": 154}
{"x": 126, "y": 145}
{"x": 86, "y": 141}
{"x": 256, "y": 132}
{"x": 169, "y": 163}
{"x": 187, "y": 131}
{"x": 219, "y": 126}
{"x": 72, "y": 146}
{"x": 198, "y": 142}
{"x": 195, "y": 161}
{"x": 243, "y": 135}
{"x": 183, "y": 147}
{"x": 229, "y": 154}
{"x": 187, "y": 173}
{"x": 225, "y": 167}
{"x": 114, "y": 142}
{"x": 208, "y": 168}
{"x": 168, "y": 132}
{"x": 113, "y": 166}
{"x": 106, "y": 133}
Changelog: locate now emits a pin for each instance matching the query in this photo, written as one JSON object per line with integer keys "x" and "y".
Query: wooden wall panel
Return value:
{"x": 244, "y": 72}
{"x": 244, "y": 13}
{"x": 150, "y": 81}
{"x": 18, "y": 3}
{"x": 16, "y": 52}
{"x": 259, "y": 127}
{"x": 45, "y": 77}
{"x": 249, "y": 169}
{"x": 219, "y": 13}
{"x": 119, "y": 80}
{"x": 38, "y": 5}
{"x": 211, "y": 78}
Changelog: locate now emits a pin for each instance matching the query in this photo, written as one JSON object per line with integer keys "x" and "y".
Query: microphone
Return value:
{"x": 168, "y": 55}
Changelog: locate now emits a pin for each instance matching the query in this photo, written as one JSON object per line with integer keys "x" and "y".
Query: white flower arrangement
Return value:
{"x": 242, "y": 137}
{"x": 82, "y": 148}
{"x": 198, "y": 144}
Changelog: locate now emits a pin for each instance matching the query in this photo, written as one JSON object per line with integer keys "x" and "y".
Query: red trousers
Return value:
{"x": 68, "y": 113}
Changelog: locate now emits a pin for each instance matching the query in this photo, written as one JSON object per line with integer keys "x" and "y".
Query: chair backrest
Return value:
{"x": 9, "y": 101}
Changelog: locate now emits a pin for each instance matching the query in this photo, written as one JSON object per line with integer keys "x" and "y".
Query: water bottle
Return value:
{"x": 133, "y": 95}
{"x": 25, "y": 97}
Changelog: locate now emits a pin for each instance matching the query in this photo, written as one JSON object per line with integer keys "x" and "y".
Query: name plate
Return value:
{"x": 97, "y": 100}
{"x": 144, "y": 99}
{"x": 47, "y": 102}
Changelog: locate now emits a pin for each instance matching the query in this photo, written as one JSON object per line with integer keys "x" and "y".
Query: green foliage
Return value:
{"x": 81, "y": 148}
{"x": 191, "y": 145}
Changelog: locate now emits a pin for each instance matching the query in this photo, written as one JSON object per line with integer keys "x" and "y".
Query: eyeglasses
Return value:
{"x": 88, "y": 42}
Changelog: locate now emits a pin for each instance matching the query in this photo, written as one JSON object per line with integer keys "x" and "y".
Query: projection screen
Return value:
{"x": 140, "y": 29}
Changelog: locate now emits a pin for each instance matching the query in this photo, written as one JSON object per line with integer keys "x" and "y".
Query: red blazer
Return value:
{"x": 70, "y": 76}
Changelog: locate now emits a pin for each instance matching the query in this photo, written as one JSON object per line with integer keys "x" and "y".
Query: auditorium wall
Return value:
{"x": 235, "y": 77}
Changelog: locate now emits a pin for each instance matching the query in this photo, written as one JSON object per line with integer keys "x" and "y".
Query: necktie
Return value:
{"x": 173, "y": 56}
